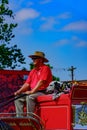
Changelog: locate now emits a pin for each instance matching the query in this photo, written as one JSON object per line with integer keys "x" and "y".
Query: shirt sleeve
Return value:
{"x": 29, "y": 78}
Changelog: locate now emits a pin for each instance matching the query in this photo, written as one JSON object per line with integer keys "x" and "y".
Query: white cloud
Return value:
{"x": 79, "y": 42}
{"x": 76, "y": 26}
{"x": 62, "y": 42}
{"x": 25, "y": 14}
{"x": 82, "y": 44}
{"x": 49, "y": 23}
{"x": 75, "y": 38}
{"x": 74, "y": 41}
{"x": 65, "y": 15}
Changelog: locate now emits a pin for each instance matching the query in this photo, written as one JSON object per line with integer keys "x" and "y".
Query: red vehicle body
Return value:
{"x": 67, "y": 112}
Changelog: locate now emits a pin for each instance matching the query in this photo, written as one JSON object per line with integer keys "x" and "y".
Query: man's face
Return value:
{"x": 37, "y": 61}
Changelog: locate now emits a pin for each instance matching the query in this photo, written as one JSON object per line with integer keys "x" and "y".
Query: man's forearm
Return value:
{"x": 39, "y": 84}
{"x": 22, "y": 89}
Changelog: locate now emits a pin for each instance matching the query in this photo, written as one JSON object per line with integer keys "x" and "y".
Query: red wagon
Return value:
{"x": 67, "y": 112}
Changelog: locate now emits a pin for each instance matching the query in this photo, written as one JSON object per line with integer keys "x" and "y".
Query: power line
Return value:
{"x": 71, "y": 69}
{"x": 59, "y": 69}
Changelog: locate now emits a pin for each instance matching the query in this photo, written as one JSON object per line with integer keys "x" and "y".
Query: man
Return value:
{"x": 35, "y": 85}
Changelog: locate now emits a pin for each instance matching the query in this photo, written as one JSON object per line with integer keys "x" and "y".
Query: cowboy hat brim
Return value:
{"x": 45, "y": 59}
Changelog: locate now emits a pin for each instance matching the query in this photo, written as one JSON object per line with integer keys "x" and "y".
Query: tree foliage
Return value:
{"x": 10, "y": 55}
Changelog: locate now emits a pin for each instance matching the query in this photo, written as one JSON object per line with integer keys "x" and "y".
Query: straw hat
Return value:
{"x": 39, "y": 54}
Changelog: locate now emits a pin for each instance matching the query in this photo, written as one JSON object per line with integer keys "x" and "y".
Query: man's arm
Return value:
{"x": 36, "y": 88}
{"x": 24, "y": 88}
{"x": 39, "y": 84}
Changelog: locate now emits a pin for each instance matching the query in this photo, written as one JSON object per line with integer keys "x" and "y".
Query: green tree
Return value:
{"x": 10, "y": 56}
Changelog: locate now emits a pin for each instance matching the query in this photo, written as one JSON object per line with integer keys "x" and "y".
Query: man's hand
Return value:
{"x": 23, "y": 89}
{"x": 17, "y": 93}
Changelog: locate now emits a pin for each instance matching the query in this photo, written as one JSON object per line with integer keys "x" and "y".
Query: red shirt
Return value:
{"x": 43, "y": 73}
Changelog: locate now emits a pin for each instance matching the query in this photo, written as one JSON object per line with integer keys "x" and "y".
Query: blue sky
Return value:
{"x": 56, "y": 27}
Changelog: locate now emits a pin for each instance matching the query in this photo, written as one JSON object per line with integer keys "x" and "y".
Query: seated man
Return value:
{"x": 35, "y": 85}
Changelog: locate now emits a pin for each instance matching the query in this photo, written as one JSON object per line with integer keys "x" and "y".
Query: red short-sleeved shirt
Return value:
{"x": 43, "y": 73}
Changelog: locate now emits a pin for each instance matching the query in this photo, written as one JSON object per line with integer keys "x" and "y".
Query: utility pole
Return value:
{"x": 72, "y": 72}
